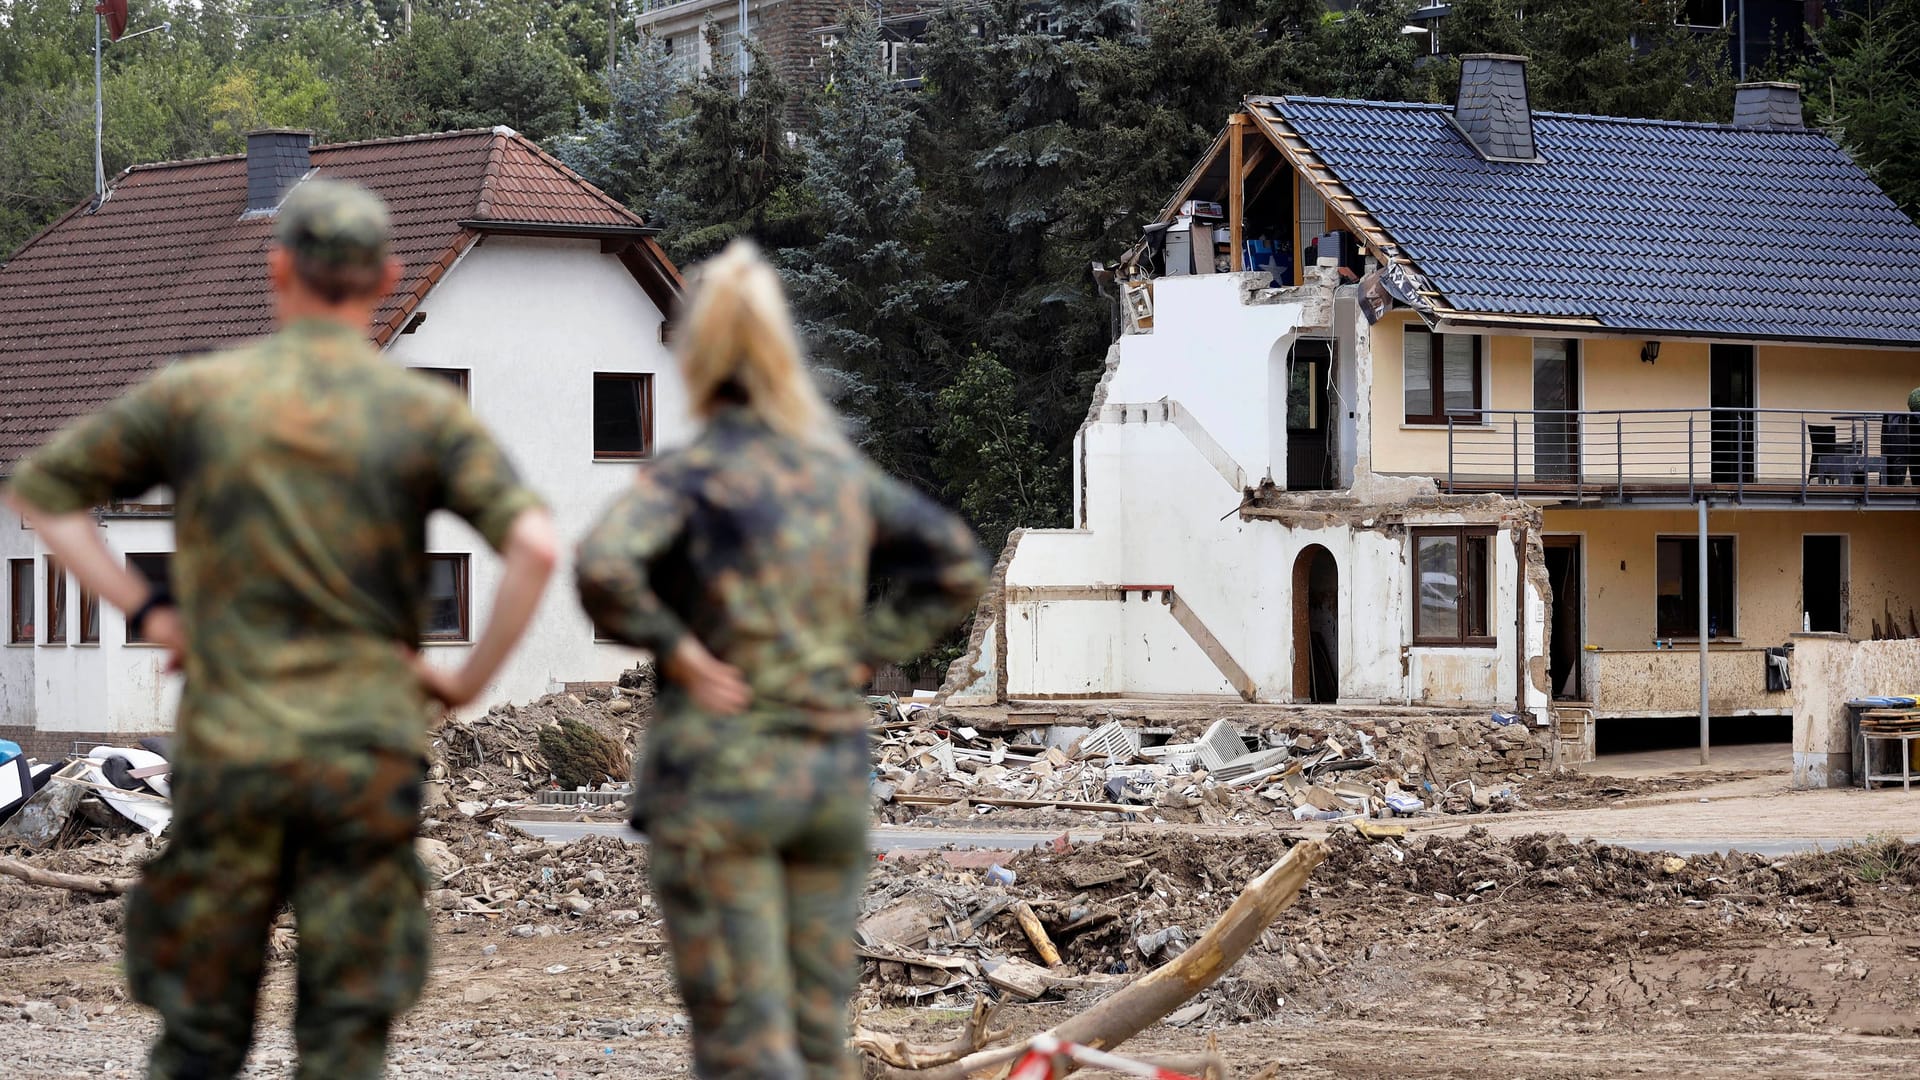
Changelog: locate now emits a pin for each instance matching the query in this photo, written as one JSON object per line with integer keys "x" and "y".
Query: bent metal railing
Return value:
{"x": 1621, "y": 454}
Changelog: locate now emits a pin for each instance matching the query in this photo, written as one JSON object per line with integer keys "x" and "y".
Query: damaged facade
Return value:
{"x": 1416, "y": 404}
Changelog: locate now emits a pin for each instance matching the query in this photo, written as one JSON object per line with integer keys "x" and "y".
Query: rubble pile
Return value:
{"x": 487, "y": 872}
{"x": 497, "y": 756}
{"x": 1328, "y": 769}
{"x": 936, "y": 933}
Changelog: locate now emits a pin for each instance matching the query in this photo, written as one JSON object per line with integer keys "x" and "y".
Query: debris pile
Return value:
{"x": 1299, "y": 770}
{"x": 499, "y": 756}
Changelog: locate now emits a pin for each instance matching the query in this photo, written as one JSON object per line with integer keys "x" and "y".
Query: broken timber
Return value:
{"x": 33, "y": 875}
{"x": 1140, "y": 1004}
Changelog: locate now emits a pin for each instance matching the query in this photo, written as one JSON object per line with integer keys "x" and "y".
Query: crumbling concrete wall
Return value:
{"x": 1666, "y": 682}
{"x": 1829, "y": 670}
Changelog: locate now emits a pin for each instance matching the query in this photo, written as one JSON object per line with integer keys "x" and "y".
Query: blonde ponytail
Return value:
{"x": 738, "y": 332}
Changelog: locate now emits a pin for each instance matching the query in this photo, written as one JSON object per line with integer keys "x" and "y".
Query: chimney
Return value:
{"x": 1769, "y": 106}
{"x": 1492, "y": 110}
{"x": 276, "y": 160}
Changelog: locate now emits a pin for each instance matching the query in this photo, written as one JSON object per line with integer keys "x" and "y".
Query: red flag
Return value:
{"x": 116, "y": 13}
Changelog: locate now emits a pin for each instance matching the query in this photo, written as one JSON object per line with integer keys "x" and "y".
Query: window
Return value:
{"x": 1441, "y": 374}
{"x": 20, "y": 613}
{"x": 1678, "y": 612}
{"x": 157, "y": 568}
{"x": 1452, "y": 576}
{"x": 56, "y": 602}
{"x": 454, "y": 375}
{"x": 89, "y": 616}
{"x": 446, "y": 599}
{"x": 622, "y": 416}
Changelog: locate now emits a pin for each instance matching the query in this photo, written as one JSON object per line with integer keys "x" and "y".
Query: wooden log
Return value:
{"x": 1133, "y": 1008}
{"x": 901, "y": 1054}
{"x": 33, "y": 875}
{"x": 1036, "y": 933}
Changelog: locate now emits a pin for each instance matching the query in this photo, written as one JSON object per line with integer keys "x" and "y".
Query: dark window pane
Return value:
{"x": 158, "y": 570}
{"x": 622, "y": 420}
{"x": 446, "y": 598}
{"x": 56, "y": 602}
{"x": 20, "y": 628}
{"x": 1475, "y": 587}
{"x": 89, "y": 617}
{"x": 1678, "y": 613}
{"x": 455, "y": 376}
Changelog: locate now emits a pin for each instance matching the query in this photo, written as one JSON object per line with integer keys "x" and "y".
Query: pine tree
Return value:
{"x": 622, "y": 152}
{"x": 729, "y": 168}
{"x": 861, "y": 289}
{"x": 1864, "y": 85}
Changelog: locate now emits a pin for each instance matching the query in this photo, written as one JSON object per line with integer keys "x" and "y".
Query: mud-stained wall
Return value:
{"x": 1620, "y": 548}
{"x": 1828, "y": 671}
{"x": 1666, "y": 682}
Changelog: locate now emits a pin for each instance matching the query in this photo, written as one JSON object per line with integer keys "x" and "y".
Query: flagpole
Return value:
{"x": 99, "y": 120}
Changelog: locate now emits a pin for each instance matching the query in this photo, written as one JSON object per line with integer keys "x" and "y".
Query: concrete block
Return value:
{"x": 1440, "y": 737}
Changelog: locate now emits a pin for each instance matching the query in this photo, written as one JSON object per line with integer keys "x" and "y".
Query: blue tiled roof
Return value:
{"x": 1641, "y": 224}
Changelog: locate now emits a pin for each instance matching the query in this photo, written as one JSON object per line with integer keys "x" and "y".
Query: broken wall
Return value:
{"x": 1828, "y": 670}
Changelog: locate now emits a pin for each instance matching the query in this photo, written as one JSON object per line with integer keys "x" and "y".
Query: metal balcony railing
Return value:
{"x": 1767, "y": 455}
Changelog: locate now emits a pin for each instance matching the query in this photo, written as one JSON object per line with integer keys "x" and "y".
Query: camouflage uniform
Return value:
{"x": 763, "y": 549}
{"x": 304, "y": 467}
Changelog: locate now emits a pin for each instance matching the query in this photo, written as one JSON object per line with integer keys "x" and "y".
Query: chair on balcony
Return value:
{"x": 1831, "y": 463}
{"x": 1900, "y": 443}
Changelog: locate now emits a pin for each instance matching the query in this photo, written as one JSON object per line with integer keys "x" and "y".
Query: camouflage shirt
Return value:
{"x": 763, "y": 548}
{"x": 303, "y": 468}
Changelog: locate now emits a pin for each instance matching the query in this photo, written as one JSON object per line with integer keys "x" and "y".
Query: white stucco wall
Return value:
{"x": 531, "y": 320}
{"x": 1159, "y": 512}
{"x": 109, "y": 686}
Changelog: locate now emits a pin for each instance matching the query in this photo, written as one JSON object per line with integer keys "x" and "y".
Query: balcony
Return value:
{"x": 1758, "y": 456}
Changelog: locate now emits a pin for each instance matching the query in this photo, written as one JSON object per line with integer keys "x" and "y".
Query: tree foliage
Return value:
{"x": 1864, "y": 80}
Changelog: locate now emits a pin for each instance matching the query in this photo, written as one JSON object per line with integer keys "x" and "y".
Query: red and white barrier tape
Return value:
{"x": 1038, "y": 1062}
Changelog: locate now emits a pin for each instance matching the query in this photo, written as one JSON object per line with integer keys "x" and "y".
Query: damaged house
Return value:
{"x": 535, "y": 294}
{"x": 1419, "y": 405}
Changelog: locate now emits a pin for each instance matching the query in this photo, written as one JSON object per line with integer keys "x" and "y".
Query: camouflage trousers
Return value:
{"x": 335, "y": 838}
{"x": 759, "y": 855}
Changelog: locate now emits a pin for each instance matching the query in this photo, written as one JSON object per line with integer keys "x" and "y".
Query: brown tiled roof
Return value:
{"x": 167, "y": 268}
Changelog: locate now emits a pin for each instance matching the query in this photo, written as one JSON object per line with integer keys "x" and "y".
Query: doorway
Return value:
{"x": 1823, "y": 583}
{"x": 1568, "y": 617}
{"x": 1731, "y": 395}
{"x": 1556, "y": 400}
{"x": 1316, "y": 626}
{"x": 1308, "y": 368}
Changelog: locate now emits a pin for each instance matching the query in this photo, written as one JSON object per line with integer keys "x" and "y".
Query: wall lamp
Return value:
{"x": 1649, "y": 352}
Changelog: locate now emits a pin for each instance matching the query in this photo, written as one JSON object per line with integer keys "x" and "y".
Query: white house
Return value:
{"x": 544, "y": 298}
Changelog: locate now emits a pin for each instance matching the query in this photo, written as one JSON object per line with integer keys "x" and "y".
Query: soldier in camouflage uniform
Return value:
{"x": 304, "y": 467}
{"x": 743, "y": 563}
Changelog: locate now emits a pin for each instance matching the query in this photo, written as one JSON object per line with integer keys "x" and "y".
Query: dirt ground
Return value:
{"x": 1491, "y": 949}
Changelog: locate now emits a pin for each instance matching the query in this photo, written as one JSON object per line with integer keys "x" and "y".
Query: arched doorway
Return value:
{"x": 1316, "y": 626}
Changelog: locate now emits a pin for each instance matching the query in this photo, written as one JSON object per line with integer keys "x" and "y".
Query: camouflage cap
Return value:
{"x": 1913, "y": 401}
{"x": 334, "y": 224}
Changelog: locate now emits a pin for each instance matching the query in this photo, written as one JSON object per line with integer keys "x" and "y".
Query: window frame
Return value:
{"x": 56, "y": 602}
{"x": 1436, "y": 375}
{"x": 463, "y": 595}
{"x": 464, "y": 382}
{"x": 131, "y": 637}
{"x": 1732, "y": 540}
{"x": 647, "y": 410}
{"x": 20, "y": 631}
{"x": 89, "y": 617}
{"x": 1484, "y": 592}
